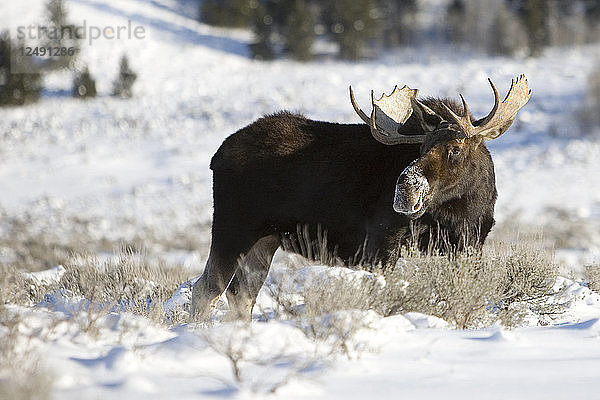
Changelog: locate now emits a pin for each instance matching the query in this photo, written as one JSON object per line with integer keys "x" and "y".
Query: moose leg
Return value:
{"x": 211, "y": 284}
{"x": 250, "y": 275}
{"x": 225, "y": 250}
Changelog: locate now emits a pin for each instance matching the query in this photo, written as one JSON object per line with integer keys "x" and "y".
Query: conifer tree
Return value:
{"x": 534, "y": 14}
{"x": 300, "y": 33}
{"x": 60, "y": 33}
{"x": 397, "y": 21}
{"x": 122, "y": 86}
{"x": 57, "y": 12}
{"x": 84, "y": 85}
{"x": 351, "y": 25}
{"x": 263, "y": 27}
{"x": 227, "y": 13}
{"x": 19, "y": 82}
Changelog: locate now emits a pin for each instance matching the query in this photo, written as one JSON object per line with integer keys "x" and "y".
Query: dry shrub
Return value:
{"x": 592, "y": 276}
{"x": 528, "y": 274}
{"x": 457, "y": 290}
{"x": 469, "y": 290}
{"x": 30, "y": 245}
{"x": 86, "y": 292}
{"x": 327, "y": 303}
{"x": 261, "y": 363}
{"x": 473, "y": 289}
{"x": 33, "y": 250}
{"x": 14, "y": 289}
{"x": 329, "y": 312}
{"x": 127, "y": 282}
{"x": 21, "y": 375}
{"x": 90, "y": 289}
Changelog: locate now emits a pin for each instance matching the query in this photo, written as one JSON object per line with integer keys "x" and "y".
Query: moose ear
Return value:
{"x": 426, "y": 117}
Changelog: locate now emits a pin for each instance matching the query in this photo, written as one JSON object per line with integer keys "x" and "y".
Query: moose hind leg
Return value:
{"x": 211, "y": 284}
{"x": 250, "y": 275}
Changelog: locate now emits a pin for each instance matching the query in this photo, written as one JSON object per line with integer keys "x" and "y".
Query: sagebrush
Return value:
{"x": 592, "y": 276}
{"x": 468, "y": 290}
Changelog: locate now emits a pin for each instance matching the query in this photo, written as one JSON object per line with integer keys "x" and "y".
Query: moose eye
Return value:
{"x": 454, "y": 151}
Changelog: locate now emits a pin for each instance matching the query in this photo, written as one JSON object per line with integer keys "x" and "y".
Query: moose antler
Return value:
{"x": 502, "y": 115}
{"x": 389, "y": 114}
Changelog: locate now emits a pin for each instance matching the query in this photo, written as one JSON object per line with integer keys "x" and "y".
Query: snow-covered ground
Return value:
{"x": 138, "y": 168}
{"x": 413, "y": 355}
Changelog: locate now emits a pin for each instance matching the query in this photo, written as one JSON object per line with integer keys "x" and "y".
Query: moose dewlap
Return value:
{"x": 416, "y": 171}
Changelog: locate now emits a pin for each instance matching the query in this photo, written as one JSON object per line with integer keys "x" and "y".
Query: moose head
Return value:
{"x": 453, "y": 154}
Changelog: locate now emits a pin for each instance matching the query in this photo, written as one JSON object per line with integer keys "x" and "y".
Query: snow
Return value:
{"x": 414, "y": 355}
{"x": 47, "y": 277}
{"x": 129, "y": 167}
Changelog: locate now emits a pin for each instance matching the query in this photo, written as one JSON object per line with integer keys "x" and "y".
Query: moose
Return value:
{"x": 415, "y": 170}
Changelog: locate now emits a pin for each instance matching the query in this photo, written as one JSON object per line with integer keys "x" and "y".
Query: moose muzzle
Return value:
{"x": 412, "y": 188}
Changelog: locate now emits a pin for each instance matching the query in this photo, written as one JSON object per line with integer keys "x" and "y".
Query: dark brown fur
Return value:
{"x": 284, "y": 171}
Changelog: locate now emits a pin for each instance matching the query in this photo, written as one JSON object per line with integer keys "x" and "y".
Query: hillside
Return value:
{"x": 91, "y": 176}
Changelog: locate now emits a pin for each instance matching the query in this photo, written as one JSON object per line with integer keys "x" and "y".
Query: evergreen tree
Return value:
{"x": 534, "y": 14}
{"x": 506, "y": 33}
{"x": 493, "y": 27}
{"x": 589, "y": 112}
{"x": 456, "y": 14}
{"x": 60, "y": 33}
{"x": 263, "y": 26}
{"x": 57, "y": 13}
{"x": 592, "y": 16}
{"x": 19, "y": 83}
{"x": 84, "y": 85}
{"x": 227, "y": 13}
{"x": 122, "y": 86}
{"x": 283, "y": 26}
{"x": 397, "y": 21}
{"x": 351, "y": 25}
{"x": 300, "y": 34}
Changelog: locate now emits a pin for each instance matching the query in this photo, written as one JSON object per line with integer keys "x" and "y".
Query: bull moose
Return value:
{"x": 415, "y": 170}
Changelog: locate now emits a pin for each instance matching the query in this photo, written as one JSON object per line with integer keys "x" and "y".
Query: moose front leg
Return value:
{"x": 250, "y": 275}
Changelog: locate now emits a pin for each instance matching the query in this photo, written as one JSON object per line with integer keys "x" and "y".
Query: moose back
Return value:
{"x": 416, "y": 170}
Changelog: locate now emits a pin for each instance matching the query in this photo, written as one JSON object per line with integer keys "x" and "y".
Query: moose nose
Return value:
{"x": 418, "y": 205}
{"x": 407, "y": 203}
{"x": 411, "y": 189}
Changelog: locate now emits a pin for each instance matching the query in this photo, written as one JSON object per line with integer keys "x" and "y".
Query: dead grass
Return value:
{"x": 22, "y": 376}
{"x": 127, "y": 282}
{"x": 468, "y": 290}
{"x": 559, "y": 229}
{"x": 29, "y": 246}
{"x": 592, "y": 276}
{"x": 472, "y": 290}
{"x": 251, "y": 358}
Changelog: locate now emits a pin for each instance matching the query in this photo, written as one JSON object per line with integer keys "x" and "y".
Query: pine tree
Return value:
{"x": 300, "y": 33}
{"x": 351, "y": 24}
{"x": 61, "y": 33}
{"x": 263, "y": 26}
{"x": 19, "y": 83}
{"x": 227, "y": 13}
{"x": 57, "y": 13}
{"x": 534, "y": 14}
{"x": 84, "y": 85}
{"x": 506, "y": 34}
{"x": 456, "y": 14}
{"x": 122, "y": 86}
{"x": 589, "y": 112}
{"x": 397, "y": 21}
